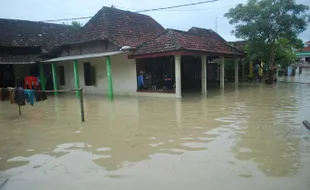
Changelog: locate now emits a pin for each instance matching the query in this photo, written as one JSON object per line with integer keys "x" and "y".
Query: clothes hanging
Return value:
{"x": 12, "y": 95}
{"x": 4, "y": 94}
{"x": 31, "y": 83}
{"x": 1, "y": 94}
{"x": 29, "y": 96}
{"x": 40, "y": 96}
{"x": 20, "y": 96}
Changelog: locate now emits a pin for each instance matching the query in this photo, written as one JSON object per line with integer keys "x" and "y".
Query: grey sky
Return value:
{"x": 200, "y": 16}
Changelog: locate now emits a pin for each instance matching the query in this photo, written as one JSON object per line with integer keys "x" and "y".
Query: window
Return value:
{"x": 89, "y": 74}
{"x": 61, "y": 71}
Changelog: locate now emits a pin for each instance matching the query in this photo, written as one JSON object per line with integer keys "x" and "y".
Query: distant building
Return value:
{"x": 304, "y": 53}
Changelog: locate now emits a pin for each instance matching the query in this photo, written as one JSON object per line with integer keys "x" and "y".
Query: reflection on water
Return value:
{"x": 248, "y": 136}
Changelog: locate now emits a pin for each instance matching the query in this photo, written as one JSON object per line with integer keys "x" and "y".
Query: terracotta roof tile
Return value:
{"x": 174, "y": 40}
{"x": 22, "y": 33}
{"x": 305, "y": 49}
{"x": 123, "y": 28}
{"x": 208, "y": 33}
{"x": 240, "y": 45}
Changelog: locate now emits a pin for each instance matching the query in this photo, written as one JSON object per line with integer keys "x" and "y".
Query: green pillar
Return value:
{"x": 55, "y": 83}
{"x": 109, "y": 77}
{"x": 42, "y": 78}
{"x": 76, "y": 77}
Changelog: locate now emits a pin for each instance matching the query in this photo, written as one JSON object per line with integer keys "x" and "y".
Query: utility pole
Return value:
{"x": 216, "y": 24}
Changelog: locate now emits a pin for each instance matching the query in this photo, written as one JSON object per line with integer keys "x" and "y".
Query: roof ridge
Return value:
{"x": 195, "y": 27}
{"x": 184, "y": 32}
{"x": 32, "y": 21}
{"x": 122, "y": 10}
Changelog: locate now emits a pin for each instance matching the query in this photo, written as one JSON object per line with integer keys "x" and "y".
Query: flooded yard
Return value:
{"x": 246, "y": 138}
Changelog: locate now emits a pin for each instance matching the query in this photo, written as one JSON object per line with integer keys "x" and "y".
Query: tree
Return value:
{"x": 76, "y": 24}
{"x": 264, "y": 23}
{"x": 284, "y": 51}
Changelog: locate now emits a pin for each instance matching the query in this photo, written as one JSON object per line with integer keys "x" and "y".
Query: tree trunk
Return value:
{"x": 271, "y": 66}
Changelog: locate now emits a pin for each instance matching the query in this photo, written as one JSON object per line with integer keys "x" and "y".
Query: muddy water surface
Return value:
{"x": 246, "y": 138}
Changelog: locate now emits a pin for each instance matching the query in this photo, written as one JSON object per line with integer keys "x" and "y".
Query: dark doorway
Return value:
{"x": 191, "y": 73}
{"x": 7, "y": 78}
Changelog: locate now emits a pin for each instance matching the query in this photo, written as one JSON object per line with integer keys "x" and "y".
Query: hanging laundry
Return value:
{"x": 29, "y": 96}
{"x": 1, "y": 94}
{"x": 20, "y": 96}
{"x": 40, "y": 96}
{"x": 12, "y": 95}
{"x": 31, "y": 83}
{"x": 4, "y": 94}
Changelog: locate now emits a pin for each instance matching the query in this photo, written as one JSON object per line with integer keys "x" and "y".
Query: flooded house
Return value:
{"x": 24, "y": 44}
{"x": 304, "y": 54}
{"x": 107, "y": 55}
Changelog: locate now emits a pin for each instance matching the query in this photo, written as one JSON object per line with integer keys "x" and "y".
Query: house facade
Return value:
{"x": 96, "y": 62}
{"x": 108, "y": 54}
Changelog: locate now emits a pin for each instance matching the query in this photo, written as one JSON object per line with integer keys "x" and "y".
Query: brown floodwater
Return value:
{"x": 246, "y": 138}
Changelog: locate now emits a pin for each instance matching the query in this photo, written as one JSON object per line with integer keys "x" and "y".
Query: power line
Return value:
{"x": 177, "y": 6}
{"x": 140, "y": 11}
{"x": 65, "y": 19}
{"x": 201, "y": 9}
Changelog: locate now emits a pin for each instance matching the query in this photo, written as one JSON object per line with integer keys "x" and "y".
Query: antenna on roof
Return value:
{"x": 216, "y": 24}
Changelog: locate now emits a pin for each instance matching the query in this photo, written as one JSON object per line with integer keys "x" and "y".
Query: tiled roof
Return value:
{"x": 123, "y": 28}
{"x": 240, "y": 45}
{"x": 175, "y": 40}
{"x": 306, "y": 49}
{"x": 22, "y": 33}
{"x": 208, "y": 33}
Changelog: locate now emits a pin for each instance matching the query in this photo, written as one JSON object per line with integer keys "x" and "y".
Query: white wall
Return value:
{"x": 123, "y": 75}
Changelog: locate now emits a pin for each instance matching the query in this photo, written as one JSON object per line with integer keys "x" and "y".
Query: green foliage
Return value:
{"x": 76, "y": 24}
{"x": 267, "y": 25}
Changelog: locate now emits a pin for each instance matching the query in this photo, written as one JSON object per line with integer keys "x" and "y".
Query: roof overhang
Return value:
{"x": 303, "y": 54}
{"x": 86, "y": 56}
{"x": 183, "y": 52}
{"x": 17, "y": 63}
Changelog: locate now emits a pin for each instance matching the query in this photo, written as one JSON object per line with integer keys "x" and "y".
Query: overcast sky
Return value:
{"x": 182, "y": 18}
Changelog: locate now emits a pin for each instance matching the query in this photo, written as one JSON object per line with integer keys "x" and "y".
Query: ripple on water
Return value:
{"x": 253, "y": 132}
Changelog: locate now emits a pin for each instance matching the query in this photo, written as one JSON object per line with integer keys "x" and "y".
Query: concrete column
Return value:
{"x": 222, "y": 72}
{"x": 243, "y": 66}
{"x": 204, "y": 78}
{"x": 109, "y": 77}
{"x": 55, "y": 81}
{"x": 251, "y": 68}
{"x": 76, "y": 77}
{"x": 177, "y": 63}
{"x": 42, "y": 77}
{"x": 236, "y": 71}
